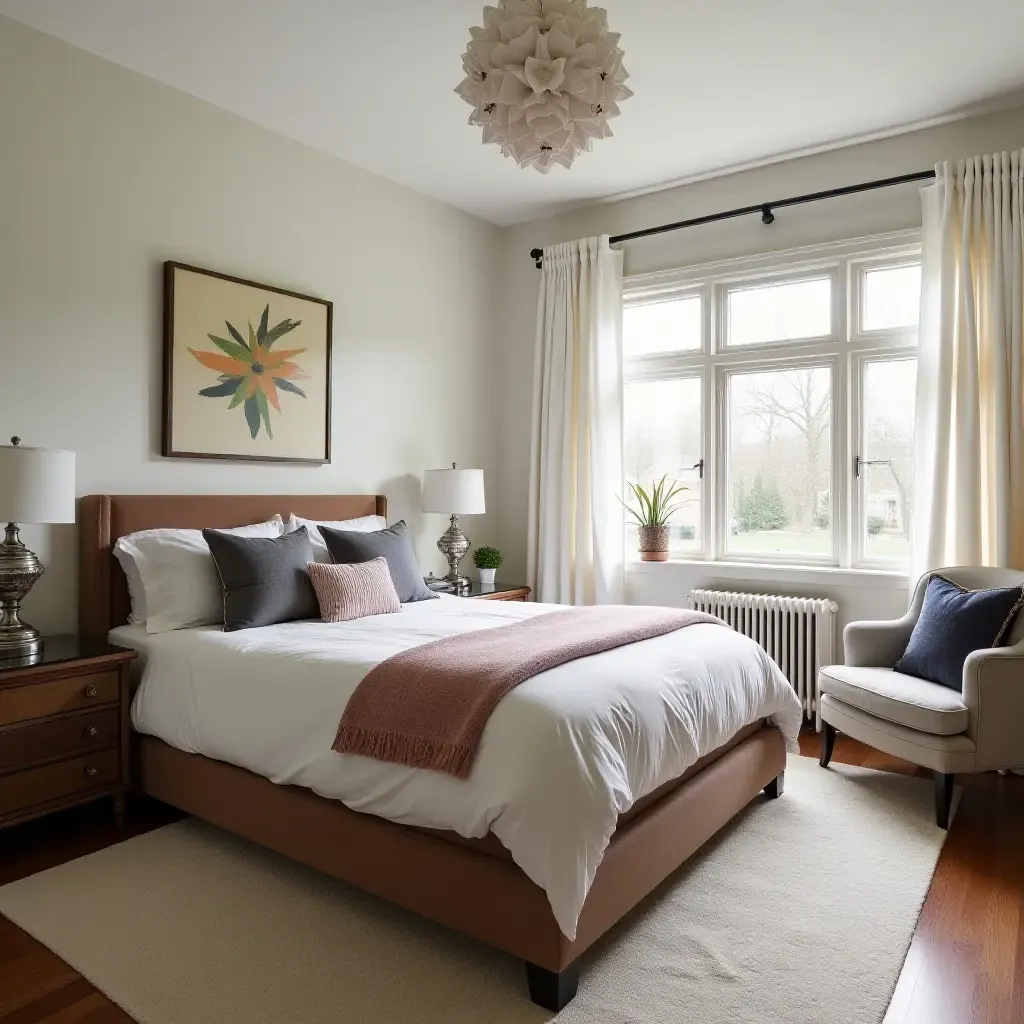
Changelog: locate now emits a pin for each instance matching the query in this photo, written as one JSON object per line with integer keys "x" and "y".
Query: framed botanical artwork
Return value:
{"x": 247, "y": 369}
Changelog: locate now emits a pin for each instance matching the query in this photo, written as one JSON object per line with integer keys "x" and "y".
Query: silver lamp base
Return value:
{"x": 453, "y": 545}
{"x": 19, "y": 570}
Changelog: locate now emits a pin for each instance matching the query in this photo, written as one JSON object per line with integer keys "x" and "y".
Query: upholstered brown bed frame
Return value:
{"x": 473, "y": 886}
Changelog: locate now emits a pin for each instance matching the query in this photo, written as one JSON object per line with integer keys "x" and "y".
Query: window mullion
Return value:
{"x": 854, "y": 450}
{"x": 840, "y": 467}
{"x": 720, "y": 469}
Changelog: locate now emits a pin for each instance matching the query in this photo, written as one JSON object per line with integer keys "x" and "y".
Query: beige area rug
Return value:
{"x": 799, "y": 912}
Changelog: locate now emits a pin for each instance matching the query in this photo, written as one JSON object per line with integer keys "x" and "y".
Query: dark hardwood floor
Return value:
{"x": 965, "y": 965}
{"x": 36, "y": 986}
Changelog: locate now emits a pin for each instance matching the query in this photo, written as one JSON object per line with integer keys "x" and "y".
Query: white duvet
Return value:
{"x": 562, "y": 756}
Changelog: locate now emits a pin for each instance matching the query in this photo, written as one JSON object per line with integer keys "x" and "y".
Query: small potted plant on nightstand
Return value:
{"x": 656, "y": 508}
{"x": 488, "y": 562}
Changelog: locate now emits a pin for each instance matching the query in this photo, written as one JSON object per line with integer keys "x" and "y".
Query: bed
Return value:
{"x": 452, "y": 874}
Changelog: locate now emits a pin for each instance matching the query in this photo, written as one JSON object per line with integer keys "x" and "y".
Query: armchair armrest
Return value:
{"x": 876, "y": 644}
{"x": 993, "y": 691}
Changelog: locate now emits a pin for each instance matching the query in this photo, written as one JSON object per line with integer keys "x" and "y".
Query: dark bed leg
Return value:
{"x": 550, "y": 989}
{"x": 943, "y": 798}
{"x": 828, "y": 741}
{"x": 775, "y": 788}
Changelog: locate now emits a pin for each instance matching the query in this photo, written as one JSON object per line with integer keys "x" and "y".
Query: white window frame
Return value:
{"x": 859, "y": 269}
{"x": 723, "y": 524}
{"x": 795, "y": 275}
{"x": 672, "y": 372}
{"x": 845, "y": 351}
{"x": 858, "y": 504}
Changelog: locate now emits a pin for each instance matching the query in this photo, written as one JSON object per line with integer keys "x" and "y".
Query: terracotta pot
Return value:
{"x": 653, "y": 543}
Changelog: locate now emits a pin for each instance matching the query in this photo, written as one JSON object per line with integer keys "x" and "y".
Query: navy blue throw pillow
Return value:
{"x": 953, "y": 623}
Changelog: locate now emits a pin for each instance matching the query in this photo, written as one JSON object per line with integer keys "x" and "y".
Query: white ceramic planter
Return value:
{"x": 487, "y": 576}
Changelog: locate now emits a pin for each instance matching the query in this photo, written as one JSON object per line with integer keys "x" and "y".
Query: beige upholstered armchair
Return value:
{"x": 977, "y": 729}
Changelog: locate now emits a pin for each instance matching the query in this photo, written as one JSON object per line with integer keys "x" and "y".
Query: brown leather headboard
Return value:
{"x": 102, "y": 518}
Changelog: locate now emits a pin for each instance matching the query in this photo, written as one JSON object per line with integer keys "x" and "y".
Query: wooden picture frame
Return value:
{"x": 221, "y": 396}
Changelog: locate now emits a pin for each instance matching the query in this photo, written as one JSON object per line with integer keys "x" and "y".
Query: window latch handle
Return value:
{"x": 699, "y": 466}
{"x": 858, "y": 463}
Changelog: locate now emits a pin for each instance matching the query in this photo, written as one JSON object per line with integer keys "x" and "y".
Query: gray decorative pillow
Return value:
{"x": 264, "y": 579}
{"x": 393, "y": 545}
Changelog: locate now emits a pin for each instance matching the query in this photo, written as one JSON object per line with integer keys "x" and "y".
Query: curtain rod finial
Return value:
{"x": 537, "y": 255}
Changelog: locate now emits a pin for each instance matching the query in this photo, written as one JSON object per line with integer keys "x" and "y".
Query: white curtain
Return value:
{"x": 576, "y": 534}
{"x": 969, "y": 486}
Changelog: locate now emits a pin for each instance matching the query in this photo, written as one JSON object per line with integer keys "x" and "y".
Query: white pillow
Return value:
{"x": 172, "y": 580}
{"x": 365, "y": 524}
{"x": 136, "y": 591}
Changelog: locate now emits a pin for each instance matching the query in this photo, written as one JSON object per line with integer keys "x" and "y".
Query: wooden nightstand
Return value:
{"x": 64, "y": 727}
{"x": 499, "y": 592}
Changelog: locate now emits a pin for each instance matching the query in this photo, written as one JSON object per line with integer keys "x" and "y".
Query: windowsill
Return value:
{"x": 887, "y": 579}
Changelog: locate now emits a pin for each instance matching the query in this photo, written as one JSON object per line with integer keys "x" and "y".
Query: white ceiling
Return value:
{"x": 718, "y": 84}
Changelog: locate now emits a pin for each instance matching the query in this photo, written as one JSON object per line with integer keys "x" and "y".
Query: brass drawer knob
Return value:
{"x": 92, "y": 771}
{"x": 91, "y": 691}
{"x": 91, "y": 731}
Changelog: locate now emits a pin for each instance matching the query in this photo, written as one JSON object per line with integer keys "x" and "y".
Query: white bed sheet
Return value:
{"x": 135, "y": 637}
{"x": 561, "y": 757}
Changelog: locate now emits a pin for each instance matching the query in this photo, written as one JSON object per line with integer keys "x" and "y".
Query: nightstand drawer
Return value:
{"x": 54, "y": 781}
{"x": 29, "y": 743}
{"x": 23, "y": 703}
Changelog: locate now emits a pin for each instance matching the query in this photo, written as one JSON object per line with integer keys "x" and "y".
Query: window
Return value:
{"x": 663, "y": 438}
{"x": 780, "y": 462}
{"x": 890, "y": 297}
{"x": 780, "y": 312}
{"x": 780, "y": 391}
{"x": 885, "y": 474}
{"x": 670, "y": 326}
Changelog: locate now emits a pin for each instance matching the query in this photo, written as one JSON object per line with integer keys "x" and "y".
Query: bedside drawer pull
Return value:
{"x": 91, "y": 770}
{"x": 91, "y": 691}
{"x": 91, "y": 731}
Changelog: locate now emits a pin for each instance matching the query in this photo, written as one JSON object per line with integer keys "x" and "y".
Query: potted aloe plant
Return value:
{"x": 488, "y": 562}
{"x": 655, "y": 507}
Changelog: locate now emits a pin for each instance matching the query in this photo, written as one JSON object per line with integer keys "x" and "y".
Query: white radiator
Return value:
{"x": 798, "y": 633}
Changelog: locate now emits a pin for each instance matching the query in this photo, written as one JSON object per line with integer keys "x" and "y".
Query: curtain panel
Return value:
{"x": 969, "y": 479}
{"x": 576, "y": 544}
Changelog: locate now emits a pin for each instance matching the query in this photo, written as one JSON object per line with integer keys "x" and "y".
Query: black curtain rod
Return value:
{"x": 765, "y": 209}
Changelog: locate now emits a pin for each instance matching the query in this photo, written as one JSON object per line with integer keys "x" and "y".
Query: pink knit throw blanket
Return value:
{"x": 427, "y": 707}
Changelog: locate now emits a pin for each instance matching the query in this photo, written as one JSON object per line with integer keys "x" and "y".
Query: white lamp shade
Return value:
{"x": 37, "y": 485}
{"x": 453, "y": 491}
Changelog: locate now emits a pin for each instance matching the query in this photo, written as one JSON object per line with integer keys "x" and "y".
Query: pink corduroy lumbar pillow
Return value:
{"x": 352, "y": 591}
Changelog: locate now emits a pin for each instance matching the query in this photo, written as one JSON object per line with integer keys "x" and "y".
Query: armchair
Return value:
{"x": 978, "y": 729}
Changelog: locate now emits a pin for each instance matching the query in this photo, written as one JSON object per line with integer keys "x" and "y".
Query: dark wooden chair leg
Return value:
{"x": 775, "y": 788}
{"x": 828, "y": 742}
{"x": 943, "y": 798}
{"x": 552, "y": 989}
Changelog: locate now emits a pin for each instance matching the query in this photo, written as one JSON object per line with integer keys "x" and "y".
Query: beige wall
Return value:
{"x": 869, "y": 213}
{"x": 104, "y": 175}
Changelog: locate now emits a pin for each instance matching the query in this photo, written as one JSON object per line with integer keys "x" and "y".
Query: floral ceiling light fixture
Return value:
{"x": 543, "y": 77}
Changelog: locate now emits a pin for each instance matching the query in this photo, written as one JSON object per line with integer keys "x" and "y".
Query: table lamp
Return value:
{"x": 37, "y": 485}
{"x": 454, "y": 492}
